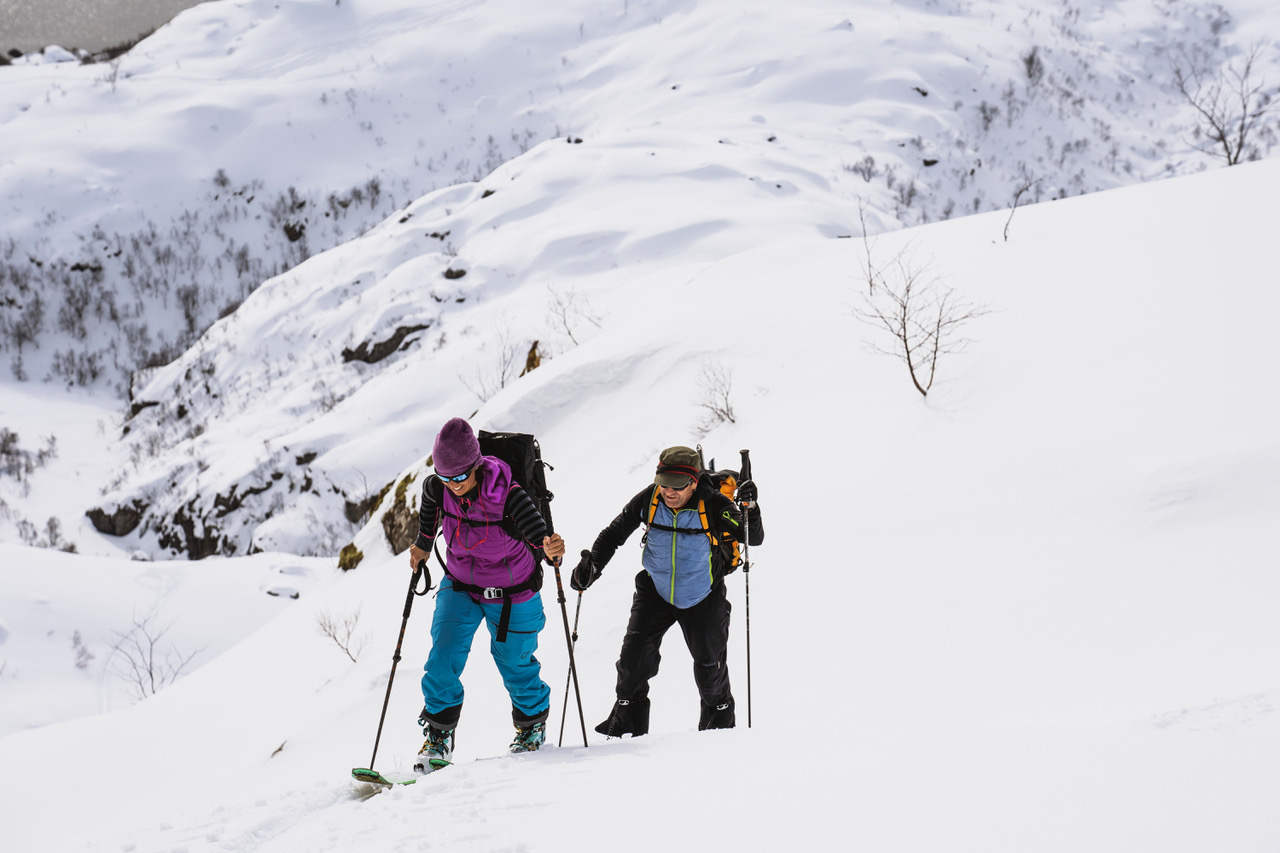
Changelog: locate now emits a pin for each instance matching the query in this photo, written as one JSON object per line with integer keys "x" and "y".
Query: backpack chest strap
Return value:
{"x": 702, "y": 517}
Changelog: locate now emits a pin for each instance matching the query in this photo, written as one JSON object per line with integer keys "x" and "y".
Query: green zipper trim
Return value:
{"x": 675, "y": 522}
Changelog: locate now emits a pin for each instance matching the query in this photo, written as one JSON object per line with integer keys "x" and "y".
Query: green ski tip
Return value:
{"x": 373, "y": 777}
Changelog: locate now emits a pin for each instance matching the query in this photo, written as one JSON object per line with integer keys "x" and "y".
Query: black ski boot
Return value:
{"x": 628, "y": 717}
{"x": 717, "y": 716}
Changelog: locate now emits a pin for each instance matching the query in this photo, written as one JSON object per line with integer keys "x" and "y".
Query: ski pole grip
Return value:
{"x": 746, "y": 464}
{"x": 418, "y": 571}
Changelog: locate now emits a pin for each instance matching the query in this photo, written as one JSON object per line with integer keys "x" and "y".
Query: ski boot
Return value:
{"x": 529, "y": 737}
{"x": 437, "y": 752}
{"x": 628, "y": 717}
{"x": 717, "y": 716}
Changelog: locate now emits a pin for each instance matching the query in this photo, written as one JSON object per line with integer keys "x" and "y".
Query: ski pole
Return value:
{"x": 418, "y": 571}
{"x": 746, "y": 571}
{"x": 564, "y": 711}
{"x": 573, "y": 669}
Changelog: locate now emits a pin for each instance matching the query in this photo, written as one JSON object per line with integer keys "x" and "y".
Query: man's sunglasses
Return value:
{"x": 455, "y": 479}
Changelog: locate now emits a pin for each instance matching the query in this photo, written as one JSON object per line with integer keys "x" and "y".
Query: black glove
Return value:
{"x": 584, "y": 574}
{"x": 747, "y": 493}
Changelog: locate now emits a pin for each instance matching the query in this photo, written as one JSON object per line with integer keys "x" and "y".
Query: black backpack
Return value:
{"x": 523, "y": 455}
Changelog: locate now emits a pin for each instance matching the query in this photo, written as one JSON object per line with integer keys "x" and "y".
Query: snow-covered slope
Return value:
{"x": 1032, "y": 611}
{"x": 557, "y": 158}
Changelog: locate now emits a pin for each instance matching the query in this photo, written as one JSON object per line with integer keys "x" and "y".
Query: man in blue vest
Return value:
{"x": 691, "y": 531}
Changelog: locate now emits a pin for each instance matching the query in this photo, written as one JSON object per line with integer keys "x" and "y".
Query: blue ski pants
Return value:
{"x": 453, "y": 626}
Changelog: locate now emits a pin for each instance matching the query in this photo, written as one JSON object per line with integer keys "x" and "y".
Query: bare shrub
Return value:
{"x": 1034, "y": 66}
{"x": 501, "y": 368}
{"x": 988, "y": 113}
{"x": 922, "y": 319}
{"x": 1231, "y": 106}
{"x": 18, "y": 463}
{"x": 189, "y": 299}
{"x": 715, "y": 389}
{"x": 864, "y": 168}
{"x": 342, "y": 630}
{"x": 26, "y": 329}
{"x": 137, "y": 658}
{"x": 1017, "y": 196}
{"x": 568, "y": 311}
{"x": 53, "y": 533}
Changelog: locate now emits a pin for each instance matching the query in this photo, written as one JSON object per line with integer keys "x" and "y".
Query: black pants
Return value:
{"x": 706, "y": 633}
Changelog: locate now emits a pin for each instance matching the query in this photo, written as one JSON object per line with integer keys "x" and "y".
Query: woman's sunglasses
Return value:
{"x": 457, "y": 478}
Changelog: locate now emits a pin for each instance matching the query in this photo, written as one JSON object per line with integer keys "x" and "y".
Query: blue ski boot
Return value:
{"x": 437, "y": 752}
{"x": 529, "y": 737}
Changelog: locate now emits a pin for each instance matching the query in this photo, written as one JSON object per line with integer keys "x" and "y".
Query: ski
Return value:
{"x": 373, "y": 777}
{"x": 374, "y": 781}
{"x": 390, "y": 780}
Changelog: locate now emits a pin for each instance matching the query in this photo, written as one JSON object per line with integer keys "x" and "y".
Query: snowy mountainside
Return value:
{"x": 595, "y": 146}
{"x": 1033, "y": 611}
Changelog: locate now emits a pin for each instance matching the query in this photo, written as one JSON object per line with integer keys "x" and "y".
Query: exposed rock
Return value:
{"x": 232, "y": 501}
{"x": 197, "y": 546}
{"x": 372, "y": 353}
{"x": 349, "y": 557}
{"x": 400, "y": 521}
{"x": 120, "y": 522}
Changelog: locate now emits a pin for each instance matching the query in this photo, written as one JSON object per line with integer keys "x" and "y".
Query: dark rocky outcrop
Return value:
{"x": 374, "y": 352}
{"x": 122, "y": 521}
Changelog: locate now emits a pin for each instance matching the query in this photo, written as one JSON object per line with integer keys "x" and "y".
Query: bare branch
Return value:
{"x": 1028, "y": 184}
{"x": 715, "y": 385}
{"x": 342, "y": 630}
{"x": 568, "y": 309}
{"x": 1230, "y": 106}
{"x": 137, "y": 658}
{"x": 920, "y": 317}
{"x": 502, "y": 367}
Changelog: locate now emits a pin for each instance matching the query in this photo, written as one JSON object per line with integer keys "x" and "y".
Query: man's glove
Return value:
{"x": 747, "y": 493}
{"x": 584, "y": 574}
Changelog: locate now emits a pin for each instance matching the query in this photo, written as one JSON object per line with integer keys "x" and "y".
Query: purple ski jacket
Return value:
{"x": 478, "y": 548}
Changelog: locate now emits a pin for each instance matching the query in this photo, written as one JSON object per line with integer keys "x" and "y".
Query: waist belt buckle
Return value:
{"x": 493, "y": 592}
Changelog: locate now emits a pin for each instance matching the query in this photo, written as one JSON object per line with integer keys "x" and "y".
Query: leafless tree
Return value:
{"x": 715, "y": 387}
{"x": 921, "y": 317}
{"x": 342, "y": 630}
{"x": 1017, "y": 196}
{"x": 136, "y": 656}
{"x": 502, "y": 367}
{"x": 1231, "y": 105}
{"x": 568, "y": 309}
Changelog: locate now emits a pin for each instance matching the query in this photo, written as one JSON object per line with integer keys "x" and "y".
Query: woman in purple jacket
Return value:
{"x": 495, "y": 541}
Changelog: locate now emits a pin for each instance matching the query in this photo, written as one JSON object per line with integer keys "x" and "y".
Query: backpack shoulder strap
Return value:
{"x": 706, "y": 526}
{"x": 653, "y": 507}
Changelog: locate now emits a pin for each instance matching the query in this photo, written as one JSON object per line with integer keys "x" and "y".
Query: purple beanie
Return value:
{"x": 456, "y": 450}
